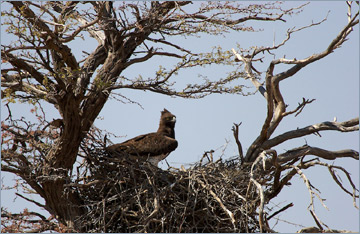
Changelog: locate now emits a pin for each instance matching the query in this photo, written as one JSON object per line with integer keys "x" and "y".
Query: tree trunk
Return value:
{"x": 59, "y": 163}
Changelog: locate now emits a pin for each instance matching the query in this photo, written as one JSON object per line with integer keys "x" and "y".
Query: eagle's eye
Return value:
{"x": 170, "y": 118}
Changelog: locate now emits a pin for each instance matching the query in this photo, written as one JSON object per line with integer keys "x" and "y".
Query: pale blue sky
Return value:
{"x": 205, "y": 124}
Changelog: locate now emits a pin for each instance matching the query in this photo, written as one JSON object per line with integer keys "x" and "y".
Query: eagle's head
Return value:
{"x": 167, "y": 123}
{"x": 167, "y": 117}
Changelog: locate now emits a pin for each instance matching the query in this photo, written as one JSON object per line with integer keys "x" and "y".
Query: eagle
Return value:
{"x": 152, "y": 147}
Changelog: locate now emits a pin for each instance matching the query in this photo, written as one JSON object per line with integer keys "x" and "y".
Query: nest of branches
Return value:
{"x": 125, "y": 196}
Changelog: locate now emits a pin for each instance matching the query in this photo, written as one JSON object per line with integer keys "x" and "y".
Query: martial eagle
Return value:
{"x": 151, "y": 147}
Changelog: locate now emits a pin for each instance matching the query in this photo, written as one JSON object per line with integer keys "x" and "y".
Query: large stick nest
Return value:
{"x": 126, "y": 196}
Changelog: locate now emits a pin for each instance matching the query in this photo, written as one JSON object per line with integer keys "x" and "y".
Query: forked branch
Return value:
{"x": 235, "y": 130}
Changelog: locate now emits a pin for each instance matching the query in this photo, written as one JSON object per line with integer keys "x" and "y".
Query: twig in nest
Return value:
{"x": 260, "y": 190}
{"x": 206, "y": 155}
{"x": 156, "y": 202}
{"x": 228, "y": 212}
{"x": 84, "y": 185}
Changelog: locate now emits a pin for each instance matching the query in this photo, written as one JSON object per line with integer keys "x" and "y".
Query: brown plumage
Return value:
{"x": 152, "y": 147}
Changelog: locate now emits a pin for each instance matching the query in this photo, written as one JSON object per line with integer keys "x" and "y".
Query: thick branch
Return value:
{"x": 347, "y": 126}
{"x": 255, "y": 148}
{"x": 92, "y": 62}
{"x": 322, "y": 153}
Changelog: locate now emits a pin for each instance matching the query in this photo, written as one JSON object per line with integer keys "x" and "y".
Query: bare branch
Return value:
{"x": 149, "y": 54}
{"x": 281, "y": 210}
{"x": 332, "y": 170}
{"x": 31, "y": 200}
{"x": 171, "y": 44}
{"x": 340, "y": 39}
{"x": 309, "y": 150}
{"x": 346, "y": 126}
{"x": 299, "y": 108}
{"x": 287, "y": 38}
{"x": 235, "y": 130}
{"x": 311, "y": 192}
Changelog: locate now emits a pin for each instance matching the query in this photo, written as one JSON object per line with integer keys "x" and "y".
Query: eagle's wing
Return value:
{"x": 148, "y": 145}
